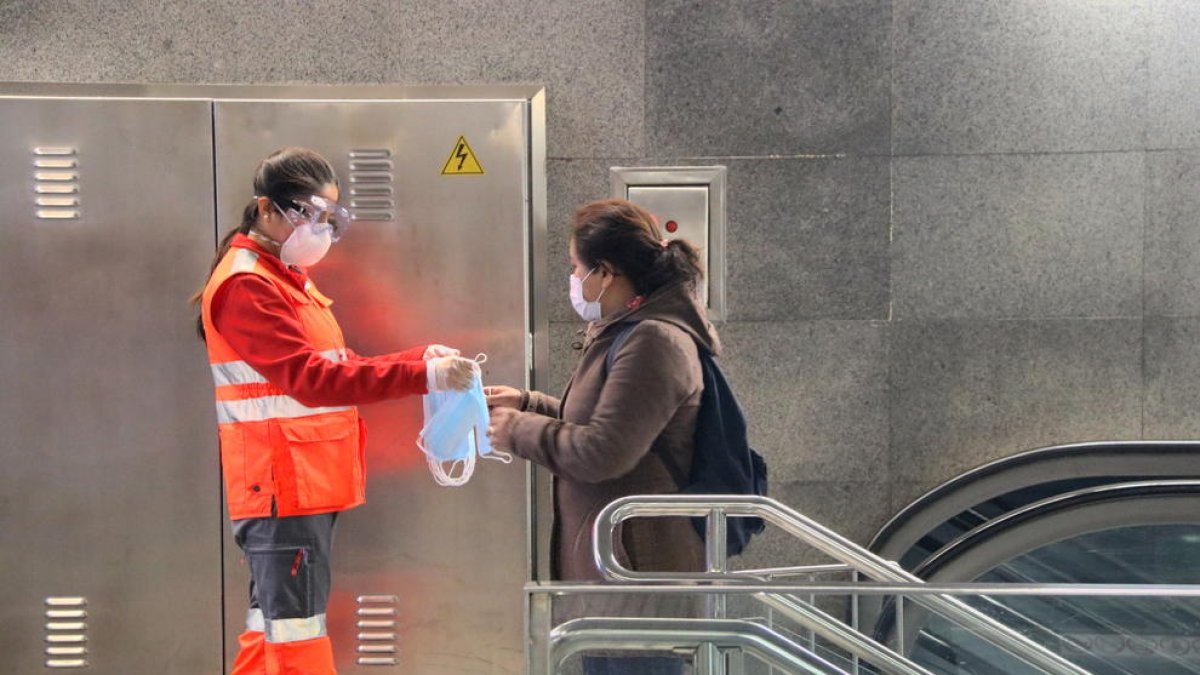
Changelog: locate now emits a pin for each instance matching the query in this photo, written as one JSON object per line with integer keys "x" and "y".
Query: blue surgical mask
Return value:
{"x": 456, "y": 431}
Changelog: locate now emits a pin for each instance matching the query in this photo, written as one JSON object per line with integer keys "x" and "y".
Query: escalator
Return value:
{"x": 1120, "y": 513}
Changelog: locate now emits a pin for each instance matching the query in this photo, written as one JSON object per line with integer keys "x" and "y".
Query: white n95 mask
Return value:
{"x": 316, "y": 223}
{"x": 304, "y": 247}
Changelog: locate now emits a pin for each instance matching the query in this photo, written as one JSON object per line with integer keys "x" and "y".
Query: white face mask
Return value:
{"x": 308, "y": 243}
{"x": 305, "y": 248}
{"x": 587, "y": 310}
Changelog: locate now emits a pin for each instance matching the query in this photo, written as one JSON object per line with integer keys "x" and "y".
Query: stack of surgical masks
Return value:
{"x": 455, "y": 432}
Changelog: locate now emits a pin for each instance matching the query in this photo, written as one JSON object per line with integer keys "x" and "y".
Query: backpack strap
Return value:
{"x": 623, "y": 330}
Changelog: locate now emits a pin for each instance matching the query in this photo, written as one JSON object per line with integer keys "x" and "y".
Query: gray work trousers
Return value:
{"x": 290, "y": 575}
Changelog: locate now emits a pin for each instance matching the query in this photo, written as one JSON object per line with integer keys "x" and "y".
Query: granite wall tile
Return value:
{"x": 1018, "y": 236}
{"x": 1172, "y": 390}
{"x": 589, "y": 56}
{"x": 764, "y": 77}
{"x": 963, "y": 393}
{"x": 815, "y": 396}
{"x": 1174, "y": 72}
{"x": 807, "y": 239}
{"x": 1019, "y": 76}
{"x": 1173, "y": 233}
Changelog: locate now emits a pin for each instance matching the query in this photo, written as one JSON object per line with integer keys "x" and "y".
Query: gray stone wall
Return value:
{"x": 958, "y": 229}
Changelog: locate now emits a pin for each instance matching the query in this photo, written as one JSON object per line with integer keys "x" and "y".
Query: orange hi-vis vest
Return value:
{"x": 276, "y": 451}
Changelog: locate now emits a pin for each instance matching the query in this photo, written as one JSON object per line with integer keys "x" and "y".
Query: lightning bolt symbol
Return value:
{"x": 462, "y": 156}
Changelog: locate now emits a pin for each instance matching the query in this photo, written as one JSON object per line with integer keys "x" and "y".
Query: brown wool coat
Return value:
{"x": 606, "y": 437}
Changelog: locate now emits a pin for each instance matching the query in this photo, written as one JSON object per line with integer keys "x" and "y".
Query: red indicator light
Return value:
{"x": 672, "y": 226}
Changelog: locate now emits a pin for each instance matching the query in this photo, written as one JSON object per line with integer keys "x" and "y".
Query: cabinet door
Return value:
{"x": 109, "y": 498}
{"x": 439, "y": 254}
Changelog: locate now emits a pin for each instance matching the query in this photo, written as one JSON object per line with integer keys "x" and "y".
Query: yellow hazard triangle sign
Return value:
{"x": 462, "y": 161}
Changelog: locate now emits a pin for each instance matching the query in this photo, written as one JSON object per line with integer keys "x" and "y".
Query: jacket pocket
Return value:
{"x": 325, "y": 456}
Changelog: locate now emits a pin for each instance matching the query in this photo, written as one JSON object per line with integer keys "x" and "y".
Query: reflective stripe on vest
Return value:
{"x": 244, "y": 260}
{"x": 261, "y": 408}
{"x": 267, "y": 408}
{"x": 240, "y": 372}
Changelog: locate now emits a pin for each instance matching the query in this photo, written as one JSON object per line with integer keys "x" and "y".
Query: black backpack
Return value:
{"x": 724, "y": 462}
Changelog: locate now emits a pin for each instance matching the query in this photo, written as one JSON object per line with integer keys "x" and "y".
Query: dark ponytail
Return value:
{"x": 284, "y": 176}
{"x": 627, "y": 237}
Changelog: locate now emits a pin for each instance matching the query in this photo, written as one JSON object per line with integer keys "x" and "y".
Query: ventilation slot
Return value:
{"x": 372, "y": 196}
{"x": 377, "y": 630}
{"x": 56, "y": 183}
{"x": 66, "y": 632}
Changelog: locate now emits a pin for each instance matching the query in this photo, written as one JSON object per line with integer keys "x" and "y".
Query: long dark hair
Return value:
{"x": 626, "y": 236}
{"x": 283, "y": 176}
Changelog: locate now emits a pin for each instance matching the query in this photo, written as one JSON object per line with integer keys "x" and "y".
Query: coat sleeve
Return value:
{"x": 265, "y": 331}
{"x": 652, "y": 375}
{"x": 543, "y": 404}
{"x": 411, "y": 354}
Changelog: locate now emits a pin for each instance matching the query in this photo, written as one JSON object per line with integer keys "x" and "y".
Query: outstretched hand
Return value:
{"x": 501, "y": 396}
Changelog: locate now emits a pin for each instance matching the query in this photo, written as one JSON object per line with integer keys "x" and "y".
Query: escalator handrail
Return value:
{"x": 717, "y": 508}
{"x": 995, "y": 527}
{"x": 629, "y": 633}
{"x": 966, "y": 483}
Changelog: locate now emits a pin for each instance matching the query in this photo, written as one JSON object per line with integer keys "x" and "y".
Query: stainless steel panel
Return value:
{"x": 451, "y": 267}
{"x": 109, "y": 509}
{"x": 693, "y": 197}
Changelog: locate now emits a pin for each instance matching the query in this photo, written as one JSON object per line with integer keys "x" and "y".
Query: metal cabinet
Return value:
{"x": 112, "y": 200}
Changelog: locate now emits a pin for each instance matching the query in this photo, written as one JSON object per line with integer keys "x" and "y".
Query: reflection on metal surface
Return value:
{"x": 371, "y": 179}
{"x": 376, "y": 642}
{"x": 55, "y": 173}
{"x": 66, "y": 638}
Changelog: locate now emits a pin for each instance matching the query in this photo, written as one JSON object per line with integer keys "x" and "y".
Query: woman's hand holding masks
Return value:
{"x": 501, "y": 396}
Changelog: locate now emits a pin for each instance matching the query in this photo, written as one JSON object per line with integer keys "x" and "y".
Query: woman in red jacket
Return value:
{"x": 292, "y": 442}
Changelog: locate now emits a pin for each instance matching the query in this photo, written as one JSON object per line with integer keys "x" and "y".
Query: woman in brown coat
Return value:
{"x": 626, "y": 426}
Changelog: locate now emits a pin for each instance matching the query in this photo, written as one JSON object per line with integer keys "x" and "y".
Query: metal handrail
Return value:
{"x": 717, "y": 508}
{"x": 579, "y": 635}
{"x": 735, "y": 585}
{"x": 833, "y": 630}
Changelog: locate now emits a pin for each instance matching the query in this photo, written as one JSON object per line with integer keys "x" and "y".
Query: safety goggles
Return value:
{"x": 321, "y": 214}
